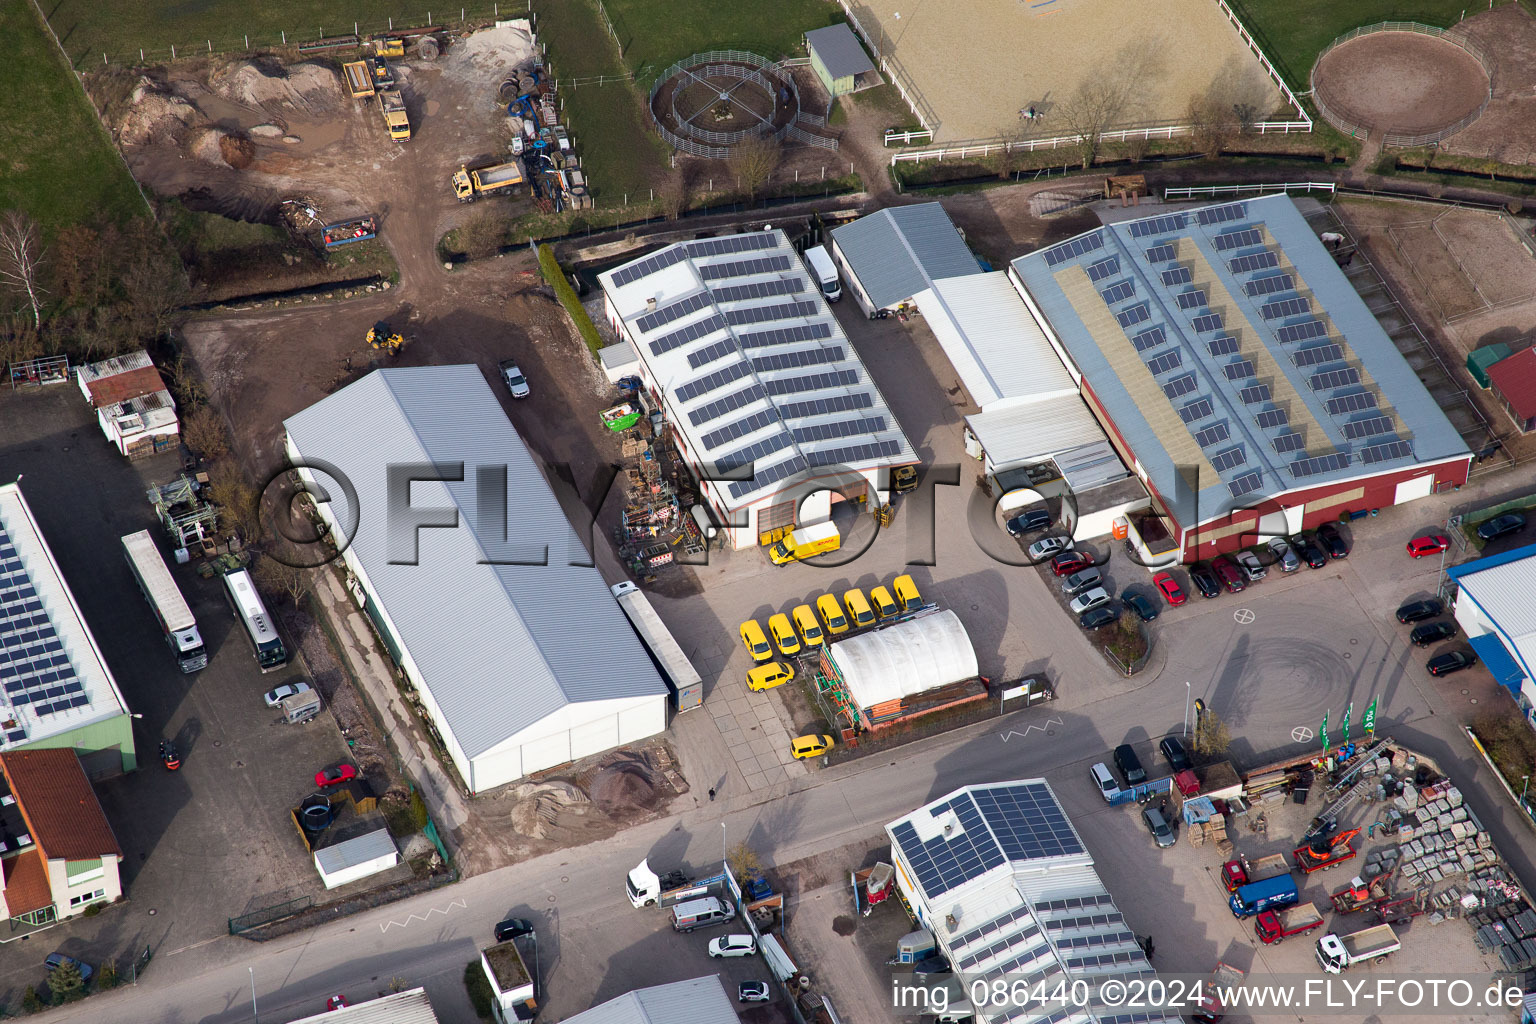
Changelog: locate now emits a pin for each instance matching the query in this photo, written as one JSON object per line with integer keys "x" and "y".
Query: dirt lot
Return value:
{"x": 1504, "y": 131}
{"x": 1401, "y": 82}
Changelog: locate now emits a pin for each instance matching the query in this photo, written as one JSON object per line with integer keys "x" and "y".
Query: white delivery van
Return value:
{"x": 700, "y": 913}
{"x": 822, "y": 268}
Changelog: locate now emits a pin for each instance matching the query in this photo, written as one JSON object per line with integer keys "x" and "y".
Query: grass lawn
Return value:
{"x": 56, "y": 162}
{"x": 658, "y": 32}
{"x": 1294, "y": 32}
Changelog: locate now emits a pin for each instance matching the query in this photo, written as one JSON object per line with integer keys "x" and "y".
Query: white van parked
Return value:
{"x": 701, "y": 913}
{"x": 825, "y": 272}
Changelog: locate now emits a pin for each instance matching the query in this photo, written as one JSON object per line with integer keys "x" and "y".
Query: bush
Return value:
{"x": 419, "y": 813}
{"x": 92, "y": 910}
{"x": 567, "y": 296}
{"x": 479, "y": 988}
{"x": 106, "y": 977}
{"x": 30, "y": 1001}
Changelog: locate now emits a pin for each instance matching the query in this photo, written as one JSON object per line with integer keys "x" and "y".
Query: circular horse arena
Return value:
{"x": 711, "y": 102}
{"x": 1404, "y": 84}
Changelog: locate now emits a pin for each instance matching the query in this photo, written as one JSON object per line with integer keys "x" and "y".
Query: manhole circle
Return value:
{"x": 565, "y": 878}
{"x": 551, "y": 899}
{"x": 1353, "y": 641}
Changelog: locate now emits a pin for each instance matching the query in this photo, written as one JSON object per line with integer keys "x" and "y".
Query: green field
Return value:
{"x": 658, "y": 32}
{"x": 56, "y": 162}
{"x": 1294, "y": 32}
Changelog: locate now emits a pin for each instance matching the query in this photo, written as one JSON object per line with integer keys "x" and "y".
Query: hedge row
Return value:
{"x": 567, "y": 296}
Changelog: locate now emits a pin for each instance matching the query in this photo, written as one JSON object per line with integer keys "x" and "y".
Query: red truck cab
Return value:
{"x": 1233, "y": 875}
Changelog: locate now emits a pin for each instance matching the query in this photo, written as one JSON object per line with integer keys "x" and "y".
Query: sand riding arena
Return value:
{"x": 1403, "y": 83}
{"x": 711, "y": 102}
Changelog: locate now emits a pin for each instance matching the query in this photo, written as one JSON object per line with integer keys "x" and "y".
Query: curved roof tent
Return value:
{"x": 909, "y": 657}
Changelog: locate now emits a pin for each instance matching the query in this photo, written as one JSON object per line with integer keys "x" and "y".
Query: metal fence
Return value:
{"x": 766, "y": 74}
{"x": 1269, "y": 69}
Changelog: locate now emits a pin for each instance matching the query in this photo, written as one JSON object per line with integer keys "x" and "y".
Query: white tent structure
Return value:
{"x": 909, "y": 657}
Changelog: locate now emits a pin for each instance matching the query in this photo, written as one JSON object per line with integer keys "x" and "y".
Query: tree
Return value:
{"x": 1011, "y": 157}
{"x": 673, "y": 194}
{"x": 203, "y": 431}
{"x": 21, "y": 260}
{"x": 1211, "y": 734}
{"x": 744, "y": 863}
{"x": 1107, "y": 98}
{"x": 292, "y": 580}
{"x": 228, "y": 489}
{"x": 1210, "y": 124}
{"x": 483, "y": 233}
{"x": 65, "y": 982}
{"x": 753, "y": 162}
{"x": 78, "y": 266}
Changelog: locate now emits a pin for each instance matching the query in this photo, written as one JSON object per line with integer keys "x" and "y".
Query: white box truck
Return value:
{"x": 822, "y": 269}
{"x": 667, "y": 655}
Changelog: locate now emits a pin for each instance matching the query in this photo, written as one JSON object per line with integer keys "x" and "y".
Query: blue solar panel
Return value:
{"x": 1133, "y": 314}
{"x": 1330, "y": 379}
{"x": 947, "y": 862}
{"x": 1271, "y": 418}
{"x": 1176, "y": 276}
{"x": 1268, "y": 285}
{"x": 1179, "y": 386}
{"x": 1283, "y": 308}
{"x": 1192, "y": 299}
{"x": 1240, "y": 370}
{"x": 1160, "y": 253}
{"x": 1167, "y": 361}
{"x": 1247, "y": 483}
{"x": 1222, "y": 346}
{"x": 1345, "y": 404}
{"x": 1265, "y": 260}
{"x": 1288, "y": 442}
{"x": 1076, "y": 247}
{"x": 1254, "y": 394}
{"x": 1303, "y": 468}
{"x": 1104, "y": 269}
{"x": 1208, "y": 322}
{"x": 1371, "y": 426}
{"x": 1157, "y": 225}
{"x": 1221, "y": 214}
{"x": 37, "y": 672}
{"x": 1196, "y": 410}
{"x": 1149, "y": 338}
{"x": 1237, "y": 239}
{"x": 1302, "y": 331}
{"x": 1118, "y": 292}
{"x": 1214, "y": 434}
{"x": 1384, "y": 452}
{"x": 1028, "y": 822}
{"x": 1223, "y": 461}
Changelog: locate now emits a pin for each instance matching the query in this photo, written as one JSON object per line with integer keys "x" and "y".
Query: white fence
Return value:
{"x": 893, "y": 70}
{"x": 1184, "y": 193}
{"x": 1269, "y": 69}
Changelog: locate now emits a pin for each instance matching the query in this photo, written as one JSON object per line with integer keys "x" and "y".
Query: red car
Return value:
{"x": 1230, "y": 575}
{"x": 337, "y": 1003}
{"x": 1429, "y": 544}
{"x": 335, "y": 776}
{"x": 1170, "y": 589}
{"x": 1069, "y": 562}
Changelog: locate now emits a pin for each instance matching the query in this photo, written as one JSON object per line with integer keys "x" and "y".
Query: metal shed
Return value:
{"x": 906, "y": 658}
{"x": 347, "y": 861}
{"x": 1479, "y": 359}
{"x": 839, "y": 61}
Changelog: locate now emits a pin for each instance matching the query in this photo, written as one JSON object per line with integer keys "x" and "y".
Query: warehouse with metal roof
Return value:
{"x": 891, "y": 256}
{"x": 695, "y": 1001}
{"x": 1002, "y": 879}
{"x": 769, "y": 404}
{"x": 1494, "y": 610}
{"x": 1239, "y": 375}
{"x": 521, "y": 656}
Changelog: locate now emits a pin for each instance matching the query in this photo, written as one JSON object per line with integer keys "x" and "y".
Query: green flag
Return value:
{"x": 1325, "y": 733}
{"x": 1349, "y": 712}
{"x": 1368, "y": 720}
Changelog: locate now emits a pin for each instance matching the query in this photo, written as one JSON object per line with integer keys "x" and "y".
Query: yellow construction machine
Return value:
{"x": 382, "y": 336}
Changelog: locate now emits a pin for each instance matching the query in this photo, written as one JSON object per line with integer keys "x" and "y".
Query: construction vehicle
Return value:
{"x": 345, "y": 232}
{"x": 469, "y": 185}
{"x": 382, "y": 336}
{"x": 1237, "y": 873}
{"x": 805, "y": 542}
{"x": 1215, "y": 995}
{"x": 1275, "y": 926}
{"x": 903, "y": 479}
{"x": 384, "y": 46}
{"x": 1324, "y": 852}
{"x": 1360, "y": 894}
{"x": 392, "y": 104}
{"x": 383, "y": 77}
{"x": 359, "y": 79}
{"x": 1337, "y": 952}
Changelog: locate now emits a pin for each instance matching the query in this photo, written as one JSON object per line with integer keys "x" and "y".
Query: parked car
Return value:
{"x": 1162, "y": 832}
{"x": 516, "y": 382}
{"x": 1081, "y": 580}
{"x": 753, "y": 992}
{"x": 859, "y": 611}
{"x": 1088, "y": 600}
{"x": 1451, "y": 661}
{"x": 1250, "y": 564}
{"x": 832, "y": 614}
{"x": 732, "y": 945}
{"x": 56, "y": 960}
{"x": 335, "y": 776}
{"x": 906, "y": 594}
{"x": 1332, "y": 541}
{"x": 1431, "y": 633}
{"x": 1205, "y": 579}
{"x": 1103, "y": 781}
{"x": 1418, "y": 611}
{"x": 1174, "y": 754}
{"x": 807, "y": 626}
{"x": 1501, "y": 526}
{"x": 1170, "y": 589}
{"x": 1098, "y": 618}
{"x": 1069, "y": 562}
{"x": 275, "y": 697}
{"x": 1232, "y": 577}
{"x": 756, "y": 642}
{"x": 1429, "y": 544}
{"x": 337, "y": 1002}
{"x": 769, "y": 674}
{"x": 1285, "y": 555}
{"x": 1031, "y": 521}
{"x": 931, "y": 966}
{"x": 783, "y": 634}
{"x": 810, "y": 746}
{"x": 885, "y": 605}
{"x": 513, "y": 928}
{"x": 1045, "y": 547}
{"x": 1309, "y": 551}
{"x": 1138, "y": 603}
{"x": 1129, "y": 765}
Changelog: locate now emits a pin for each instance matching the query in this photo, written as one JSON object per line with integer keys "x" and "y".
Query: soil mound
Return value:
{"x": 623, "y": 789}
{"x": 542, "y": 808}
{"x": 155, "y": 114}
{"x": 489, "y": 52}
{"x": 237, "y": 150}
{"x": 304, "y": 88}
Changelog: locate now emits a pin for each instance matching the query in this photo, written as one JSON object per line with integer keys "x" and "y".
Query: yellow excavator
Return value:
{"x": 382, "y": 336}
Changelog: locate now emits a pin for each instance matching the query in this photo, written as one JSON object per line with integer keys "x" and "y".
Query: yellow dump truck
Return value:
{"x": 395, "y": 119}
{"x": 469, "y": 185}
{"x": 805, "y": 542}
{"x": 359, "y": 79}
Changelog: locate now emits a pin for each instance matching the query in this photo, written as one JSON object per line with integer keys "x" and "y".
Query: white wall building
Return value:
{"x": 133, "y": 407}
{"x": 1494, "y": 610}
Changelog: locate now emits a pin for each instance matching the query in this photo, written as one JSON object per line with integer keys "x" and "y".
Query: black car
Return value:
{"x": 1129, "y": 765}
{"x": 1418, "y": 611}
{"x": 1144, "y": 609}
{"x": 1174, "y": 754}
{"x": 1500, "y": 526}
{"x": 1098, "y": 618}
{"x": 1204, "y": 578}
{"x": 513, "y": 928}
{"x": 1332, "y": 541}
{"x": 1029, "y": 522}
{"x": 1452, "y": 661}
{"x": 1309, "y": 551}
{"x": 1431, "y": 633}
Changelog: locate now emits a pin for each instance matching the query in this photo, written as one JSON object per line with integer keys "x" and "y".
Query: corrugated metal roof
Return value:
{"x": 909, "y": 657}
{"x": 1036, "y": 431}
{"x": 352, "y": 852}
{"x": 408, "y": 1007}
{"x": 1501, "y": 586}
{"x": 992, "y": 340}
{"x": 500, "y": 646}
{"x": 839, "y": 50}
{"x": 1515, "y": 379}
{"x": 900, "y": 251}
{"x": 1091, "y": 465}
{"x": 696, "y": 1001}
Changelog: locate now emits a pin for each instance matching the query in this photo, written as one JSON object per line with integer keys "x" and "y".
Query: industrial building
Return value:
{"x": 55, "y": 687}
{"x": 894, "y": 255}
{"x": 408, "y": 1007}
{"x": 1238, "y": 374}
{"x": 1003, "y": 881}
{"x": 1494, "y": 610}
{"x": 133, "y": 407}
{"x": 769, "y": 405}
{"x": 517, "y": 650}
{"x": 695, "y": 1001}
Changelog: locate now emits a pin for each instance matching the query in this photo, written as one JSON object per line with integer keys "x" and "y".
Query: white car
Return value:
{"x": 1250, "y": 564}
{"x": 1089, "y": 600}
{"x": 753, "y": 992}
{"x": 732, "y": 945}
{"x": 1289, "y": 561}
{"x": 516, "y": 382}
{"x": 1046, "y": 547}
{"x": 275, "y": 697}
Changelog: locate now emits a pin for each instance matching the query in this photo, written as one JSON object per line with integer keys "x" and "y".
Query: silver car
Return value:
{"x": 1089, "y": 600}
{"x": 275, "y": 697}
{"x": 1081, "y": 580}
{"x": 1289, "y": 561}
{"x": 516, "y": 382}
{"x": 1047, "y": 546}
{"x": 1250, "y": 564}
{"x": 1158, "y": 825}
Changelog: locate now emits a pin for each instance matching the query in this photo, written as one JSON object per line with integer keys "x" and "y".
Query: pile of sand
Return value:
{"x": 306, "y": 88}
{"x": 155, "y": 114}
{"x": 490, "y": 52}
{"x": 542, "y": 809}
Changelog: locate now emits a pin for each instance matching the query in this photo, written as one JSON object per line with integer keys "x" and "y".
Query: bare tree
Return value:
{"x": 673, "y": 194}
{"x": 294, "y": 581}
{"x": 1109, "y": 97}
{"x": 1136, "y": 148}
{"x": 1211, "y": 125}
{"x": 1011, "y": 157}
{"x": 484, "y": 232}
{"x": 21, "y": 259}
{"x": 203, "y": 431}
{"x": 228, "y": 489}
{"x": 1212, "y": 737}
{"x": 753, "y": 162}
{"x": 19, "y": 340}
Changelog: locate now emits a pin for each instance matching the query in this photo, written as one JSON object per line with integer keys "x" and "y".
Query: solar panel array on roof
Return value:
{"x": 812, "y": 382}
{"x": 799, "y": 357}
{"x": 752, "y": 452}
{"x": 1288, "y": 442}
{"x": 851, "y": 454}
{"x": 1221, "y": 214}
{"x": 1213, "y": 434}
{"x": 649, "y": 266}
{"x": 1345, "y": 404}
{"x": 1265, "y": 260}
{"x": 1253, "y": 394}
{"x": 1207, "y": 322}
{"x": 1104, "y": 269}
{"x": 1181, "y": 385}
{"x": 1330, "y": 379}
{"x": 1165, "y": 362}
{"x": 1222, "y": 346}
{"x": 733, "y": 243}
{"x": 741, "y": 428}
{"x": 1118, "y": 292}
{"x": 830, "y": 404}
{"x": 1176, "y": 276}
{"x": 1269, "y": 285}
{"x": 1196, "y": 410}
{"x": 714, "y": 350}
{"x": 1133, "y": 314}
{"x": 34, "y": 668}
{"x": 760, "y": 289}
{"x": 1303, "y": 468}
{"x": 759, "y": 314}
{"x": 767, "y": 477}
{"x": 1242, "y": 369}
{"x": 683, "y": 335}
{"x": 719, "y": 379}
{"x": 1246, "y": 483}
{"x": 1158, "y": 226}
{"x": 785, "y": 335}
{"x": 1285, "y": 307}
{"x": 947, "y": 862}
{"x": 1192, "y": 299}
{"x": 1160, "y": 253}
{"x": 648, "y": 322}
{"x": 1225, "y": 460}
{"x": 1385, "y": 452}
{"x": 1076, "y": 247}
{"x": 1148, "y": 338}
{"x": 743, "y": 268}
{"x": 1237, "y": 239}
{"x": 1027, "y": 821}
{"x": 1271, "y": 418}
{"x": 730, "y": 403}
{"x": 1315, "y": 354}
{"x": 1371, "y": 426}
{"x": 1302, "y": 331}
{"x": 843, "y": 428}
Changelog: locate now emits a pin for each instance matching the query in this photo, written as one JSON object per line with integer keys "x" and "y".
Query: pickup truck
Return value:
{"x": 1274, "y": 926}
{"x": 1335, "y": 952}
{"x": 1212, "y": 1008}
{"x": 1240, "y": 872}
